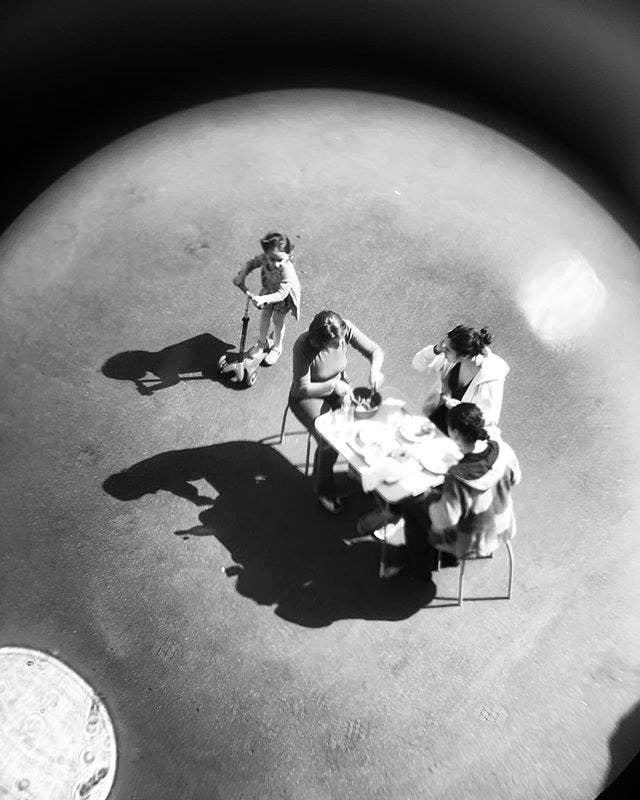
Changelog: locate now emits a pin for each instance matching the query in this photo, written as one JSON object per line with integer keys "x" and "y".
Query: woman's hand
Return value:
{"x": 375, "y": 378}
{"x": 257, "y": 301}
{"x": 438, "y": 349}
{"x": 449, "y": 401}
{"x": 344, "y": 392}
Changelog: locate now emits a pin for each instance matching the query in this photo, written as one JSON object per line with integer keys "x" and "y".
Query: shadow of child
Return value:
{"x": 193, "y": 359}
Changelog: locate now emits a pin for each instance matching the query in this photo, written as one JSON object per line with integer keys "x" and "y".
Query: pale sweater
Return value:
{"x": 280, "y": 284}
{"x": 474, "y": 513}
{"x": 486, "y": 388}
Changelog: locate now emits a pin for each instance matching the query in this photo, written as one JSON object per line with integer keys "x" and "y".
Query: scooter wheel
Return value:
{"x": 250, "y": 378}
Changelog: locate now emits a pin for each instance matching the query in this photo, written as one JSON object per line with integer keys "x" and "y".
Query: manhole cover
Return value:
{"x": 56, "y": 738}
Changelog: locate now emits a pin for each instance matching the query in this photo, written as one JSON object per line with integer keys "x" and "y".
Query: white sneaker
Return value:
{"x": 392, "y": 533}
{"x": 273, "y": 355}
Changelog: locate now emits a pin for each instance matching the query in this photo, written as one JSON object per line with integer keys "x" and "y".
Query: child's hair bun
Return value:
{"x": 485, "y": 336}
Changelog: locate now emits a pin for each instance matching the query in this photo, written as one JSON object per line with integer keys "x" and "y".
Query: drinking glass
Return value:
{"x": 343, "y": 420}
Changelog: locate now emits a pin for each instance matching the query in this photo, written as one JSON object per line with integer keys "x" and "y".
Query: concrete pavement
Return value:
{"x": 296, "y": 674}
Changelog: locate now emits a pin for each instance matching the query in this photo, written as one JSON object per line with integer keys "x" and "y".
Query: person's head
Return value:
{"x": 464, "y": 342}
{"x": 276, "y": 246}
{"x": 327, "y": 330}
{"x": 466, "y": 425}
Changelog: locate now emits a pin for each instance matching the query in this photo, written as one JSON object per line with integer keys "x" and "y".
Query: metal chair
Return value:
{"x": 282, "y": 428}
{"x": 463, "y": 562}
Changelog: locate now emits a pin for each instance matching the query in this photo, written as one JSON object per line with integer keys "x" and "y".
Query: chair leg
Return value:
{"x": 383, "y": 551}
{"x": 284, "y": 422}
{"x": 510, "y": 551}
{"x": 460, "y": 599}
{"x": 306, "y": 465}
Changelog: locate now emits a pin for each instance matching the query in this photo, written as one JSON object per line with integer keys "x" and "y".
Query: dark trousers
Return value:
{"x": 307, "y": 410}
{"x": 417, "y": 553}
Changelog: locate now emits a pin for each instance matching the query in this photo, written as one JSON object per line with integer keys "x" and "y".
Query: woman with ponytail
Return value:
{"x": 472, "y": 513}
{"x": 465, "y": 370}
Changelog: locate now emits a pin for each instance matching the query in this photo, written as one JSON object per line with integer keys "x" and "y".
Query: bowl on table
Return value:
{"x": 366, "y": 402}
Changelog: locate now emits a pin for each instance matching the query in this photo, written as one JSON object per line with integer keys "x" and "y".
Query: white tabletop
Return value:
{"x": 339, "y": 430}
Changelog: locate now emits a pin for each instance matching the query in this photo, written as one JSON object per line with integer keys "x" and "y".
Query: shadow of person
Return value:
{"x": 624, "y": 759}
{"x": 193, "y": 359}
{"x": 285, "y": 551}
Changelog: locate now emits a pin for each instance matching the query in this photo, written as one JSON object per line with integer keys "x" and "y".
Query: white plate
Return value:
{"x": 439, "y": 455}
{"x": 369, "y": 453}
{"x": 375, "y": 438}
{"x": 401, "y": 469}
{"x": 411, "y": 429}
{"x": 394, "y": 470}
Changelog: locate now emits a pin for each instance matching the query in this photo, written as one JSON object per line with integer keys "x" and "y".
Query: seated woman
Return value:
{"x": 466, "y": 371}
{"x": 472, "y": 514}
{"x": 319, "y": 384}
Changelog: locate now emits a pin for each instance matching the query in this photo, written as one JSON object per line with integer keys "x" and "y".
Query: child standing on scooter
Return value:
{"x": 279, "y": 295}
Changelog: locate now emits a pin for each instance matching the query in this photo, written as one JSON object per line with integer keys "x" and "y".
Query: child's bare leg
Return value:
{"x": 278, "y": 329}
{"x": 265, "y": 322}
{"x": 263, "y": 333}
{"x": 278, "y": 337}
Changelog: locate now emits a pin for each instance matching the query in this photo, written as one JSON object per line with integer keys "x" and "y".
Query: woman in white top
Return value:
{"x": 465, "y": 370}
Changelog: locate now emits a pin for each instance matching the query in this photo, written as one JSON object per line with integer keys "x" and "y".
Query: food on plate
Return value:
{"x": 400, "y": 454}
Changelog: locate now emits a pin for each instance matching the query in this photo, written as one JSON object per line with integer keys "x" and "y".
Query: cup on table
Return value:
{"x": 343, "y": 420}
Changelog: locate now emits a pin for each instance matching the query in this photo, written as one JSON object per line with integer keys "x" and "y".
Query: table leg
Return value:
{"x": 383, "y": 553}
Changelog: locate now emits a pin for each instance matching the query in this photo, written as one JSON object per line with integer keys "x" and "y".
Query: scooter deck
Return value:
{"x": 241, "y": 367}
{"x": 253, "y": 362}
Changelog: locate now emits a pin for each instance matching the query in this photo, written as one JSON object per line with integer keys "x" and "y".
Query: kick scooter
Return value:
{"x": 242, "y": 367}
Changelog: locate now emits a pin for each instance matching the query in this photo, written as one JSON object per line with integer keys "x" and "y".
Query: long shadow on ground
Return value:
{"x": 285, "y": 551}
{"x": 623, "y": 774}
{"x": 193, "y": 359}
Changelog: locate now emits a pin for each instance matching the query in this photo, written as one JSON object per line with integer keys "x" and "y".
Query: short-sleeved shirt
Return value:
{"x": 311, "y": 365}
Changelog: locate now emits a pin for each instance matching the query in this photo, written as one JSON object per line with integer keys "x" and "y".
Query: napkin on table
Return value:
{"x": 374, "y": 474}
{"x": 387, "y": 468}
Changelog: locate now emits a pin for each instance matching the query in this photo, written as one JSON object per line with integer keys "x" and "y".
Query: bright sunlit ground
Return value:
{"x": 297, "y": 674}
